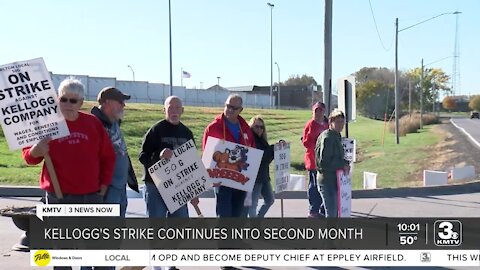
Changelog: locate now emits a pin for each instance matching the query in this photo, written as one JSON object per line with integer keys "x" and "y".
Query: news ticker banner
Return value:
{"x": 107, "y": 233}
{"x": 258, "y": 258}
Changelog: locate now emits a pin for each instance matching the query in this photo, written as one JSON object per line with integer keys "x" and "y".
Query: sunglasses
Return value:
{"x": 231, "y": 107}
{"x": 71, "y": 100}
{"x": 259, "y": 126}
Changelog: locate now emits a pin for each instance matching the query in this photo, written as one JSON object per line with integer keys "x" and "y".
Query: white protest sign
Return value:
{"x": 29, "y": 108}
{"x": 281, "y": 159}
{"x": 344, "y": 182}
{"x": 349, "y": 146}
{"x": 181, "y": 178}
{"x": 234, "y": 165}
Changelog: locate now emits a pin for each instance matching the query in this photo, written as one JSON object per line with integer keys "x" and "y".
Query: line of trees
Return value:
{"x": 375, "y": 90}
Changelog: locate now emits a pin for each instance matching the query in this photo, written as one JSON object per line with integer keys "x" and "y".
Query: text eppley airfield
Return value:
{"x": 29, "y": 110}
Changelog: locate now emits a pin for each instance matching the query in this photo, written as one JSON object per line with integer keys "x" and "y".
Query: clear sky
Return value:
{"x": 231, "y": 39}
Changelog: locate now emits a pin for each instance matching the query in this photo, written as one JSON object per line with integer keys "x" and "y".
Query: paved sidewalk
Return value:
{"x": 451, "y": 201}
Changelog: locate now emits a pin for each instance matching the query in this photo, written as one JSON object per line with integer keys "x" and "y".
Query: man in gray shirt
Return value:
{"x": 110, "y": 112}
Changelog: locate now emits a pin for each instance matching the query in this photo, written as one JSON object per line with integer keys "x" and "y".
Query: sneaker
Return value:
{"x": 316, "y": 215}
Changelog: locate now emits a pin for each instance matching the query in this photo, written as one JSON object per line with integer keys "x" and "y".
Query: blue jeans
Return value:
{"x": 115, "y": 195}
{"x": 92, "y": 198}
{"x": 156, "y": 207}
{"x": 265, "y": 189}
{"x": 329, "y": 191}
{"x": 229, "y": 201}
{"x": 314, "y": 197}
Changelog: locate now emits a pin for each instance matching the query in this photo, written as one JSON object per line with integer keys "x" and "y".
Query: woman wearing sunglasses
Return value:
{"x": 262, "y": 183}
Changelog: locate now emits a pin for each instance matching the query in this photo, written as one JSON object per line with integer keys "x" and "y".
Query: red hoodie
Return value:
{"x": 218, "y": 130}
{"x": 83, "y": 161}
{"x": 310, "y": 134}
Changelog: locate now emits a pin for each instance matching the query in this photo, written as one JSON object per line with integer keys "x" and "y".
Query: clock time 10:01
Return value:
{"x": 408, "y": 227}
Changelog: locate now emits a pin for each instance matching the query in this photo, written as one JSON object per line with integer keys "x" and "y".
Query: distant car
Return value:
{"x": 474, "y": 115}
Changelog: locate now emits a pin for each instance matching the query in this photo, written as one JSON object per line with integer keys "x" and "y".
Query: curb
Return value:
{"x": 471, "y": 187}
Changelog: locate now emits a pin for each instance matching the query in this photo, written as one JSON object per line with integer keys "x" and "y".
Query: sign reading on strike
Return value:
{"x": 181, "y": 178}
{"x": 281, "y": 159}
{"x": 29, "y": 109}
{"x": 234, "y": 165}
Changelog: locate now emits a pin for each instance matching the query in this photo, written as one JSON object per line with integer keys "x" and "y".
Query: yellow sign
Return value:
{"x": 42, "y": 258}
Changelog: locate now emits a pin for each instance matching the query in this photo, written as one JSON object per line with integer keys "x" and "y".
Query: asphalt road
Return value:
{"x": 469, "y": 127}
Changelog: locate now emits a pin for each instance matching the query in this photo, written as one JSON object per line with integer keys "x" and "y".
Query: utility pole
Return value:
{"x": 409, "y": 96}
{"x": 327, "y": 68}
{"x": 397, "y": 91}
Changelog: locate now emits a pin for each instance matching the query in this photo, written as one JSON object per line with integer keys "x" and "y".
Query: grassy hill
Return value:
{"x": 392, "y": 162}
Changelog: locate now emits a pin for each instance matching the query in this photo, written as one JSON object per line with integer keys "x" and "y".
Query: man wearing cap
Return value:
{"x": 110, "y": 112}
{"x": 312, "y": 130}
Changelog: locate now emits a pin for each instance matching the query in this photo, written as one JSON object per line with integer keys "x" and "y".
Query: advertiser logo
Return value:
{"x": 425, "y": 257}
{"x": 41, "y": 258}
{"x": 447, "y": 233}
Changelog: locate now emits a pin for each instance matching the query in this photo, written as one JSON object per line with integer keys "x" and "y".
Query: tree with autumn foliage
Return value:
{"x": 449, "y": 103}
{"x": 435, "y": 80}
{"x": 474, "y": 103}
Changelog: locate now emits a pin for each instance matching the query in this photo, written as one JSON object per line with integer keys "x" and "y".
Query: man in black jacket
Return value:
{"x": 110, "y": 112}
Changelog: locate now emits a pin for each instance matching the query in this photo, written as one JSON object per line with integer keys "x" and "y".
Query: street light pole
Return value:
{"x": 397, "y": 91}
{"x": 421, "y": 97}
{"x": 271, "y": 53}
{"x": 278, "y": 87}
{"x": 218, "y": 81}
{"x": 133, "y": 73}
{"x": 170, "y": 92}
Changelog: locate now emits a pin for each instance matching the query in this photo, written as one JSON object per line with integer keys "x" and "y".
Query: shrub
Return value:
{"x": 411, "y": 124}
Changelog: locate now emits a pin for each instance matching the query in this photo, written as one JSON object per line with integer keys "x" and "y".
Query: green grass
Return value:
{"x": 392, "y": 162}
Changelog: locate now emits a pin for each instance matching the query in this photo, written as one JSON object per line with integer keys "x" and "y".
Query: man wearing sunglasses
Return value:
{"x": 231, "y": 127}
{"x": 110, "y": 112}
{"x": 83, "y": 160}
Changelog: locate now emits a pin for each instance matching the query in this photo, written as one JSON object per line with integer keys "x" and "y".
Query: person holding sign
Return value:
{"x": 230, "y": 126}
{"x": 329, "y": 157}
{"x": 110, "y": 113}
{"x": 312, "y": 130}
{"x": 83, "y": 160}
{"x": 158, "y": 143}
{"x": 262, "y": 183}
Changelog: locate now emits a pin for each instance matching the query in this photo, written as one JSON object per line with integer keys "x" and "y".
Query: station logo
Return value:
{"x": 42, "y": 258}
{"x": 447, "y": 233}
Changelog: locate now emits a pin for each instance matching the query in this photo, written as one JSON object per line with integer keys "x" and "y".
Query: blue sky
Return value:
{"x": 231, "y": 39}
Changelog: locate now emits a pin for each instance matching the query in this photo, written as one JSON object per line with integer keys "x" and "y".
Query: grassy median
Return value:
{"x": 393, "y": 163}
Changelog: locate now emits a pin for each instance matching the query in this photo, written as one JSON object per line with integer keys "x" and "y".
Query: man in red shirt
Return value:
{"x": 312, "y": 130}
{"x": 83, "y": 160}
{"x": 231, "y": 127}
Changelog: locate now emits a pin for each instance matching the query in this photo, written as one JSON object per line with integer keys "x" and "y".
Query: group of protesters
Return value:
{"x": 93, "y": 166}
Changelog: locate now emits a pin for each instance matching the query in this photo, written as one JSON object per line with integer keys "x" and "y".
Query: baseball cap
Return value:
{"x": 111, "y": 93}
{"x": 318, "y": 105}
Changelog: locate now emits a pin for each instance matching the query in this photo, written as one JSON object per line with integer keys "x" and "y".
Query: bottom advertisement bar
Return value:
{"x": 248, "y": 258}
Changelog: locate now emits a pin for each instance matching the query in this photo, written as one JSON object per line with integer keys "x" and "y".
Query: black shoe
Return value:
{"x": 228, "y": 268}
{"x": 173, "y": 268}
